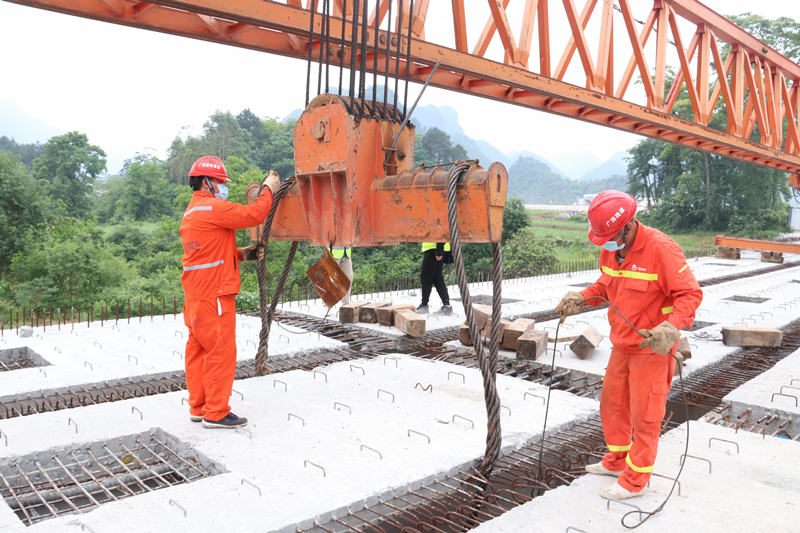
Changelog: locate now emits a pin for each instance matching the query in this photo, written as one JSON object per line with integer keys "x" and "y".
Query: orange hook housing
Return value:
{"x": 344, "y": 195}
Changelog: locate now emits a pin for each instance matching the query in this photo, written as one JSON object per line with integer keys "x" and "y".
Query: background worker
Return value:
{"x": 343, "y": 258}
{"x": 434, "y": 256}
{"x": 646, "y": 277}
{"x": 210, "y": 282}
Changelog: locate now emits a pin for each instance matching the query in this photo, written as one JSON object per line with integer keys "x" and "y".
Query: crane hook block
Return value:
{"x": 347, "y": 193}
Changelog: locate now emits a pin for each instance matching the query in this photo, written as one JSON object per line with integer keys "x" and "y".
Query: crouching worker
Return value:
{"x": 644, "y": 275}
{"x": 210, "y": 282}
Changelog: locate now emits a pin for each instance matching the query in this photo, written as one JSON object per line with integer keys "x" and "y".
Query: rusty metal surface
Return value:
{"x": 763, "y": 246}
{"x": 328, "y": 279}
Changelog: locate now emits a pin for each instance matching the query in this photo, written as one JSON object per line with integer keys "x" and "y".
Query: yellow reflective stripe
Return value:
{"x": 684, "y": 268}
{"x": 618, "y": 448}
{"x": 629, "y": 274}
{"x": 667, "y": 310}
{"x": 640, "y": 469}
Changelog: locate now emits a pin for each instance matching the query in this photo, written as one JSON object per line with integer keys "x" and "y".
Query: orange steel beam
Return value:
{"x": 762, "y": 246}
{"x": 282, "y": 29}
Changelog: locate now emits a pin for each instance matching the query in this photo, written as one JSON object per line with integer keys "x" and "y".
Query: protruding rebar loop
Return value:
{"x": 261, "y": 271}
{"x": 488, "y": 365}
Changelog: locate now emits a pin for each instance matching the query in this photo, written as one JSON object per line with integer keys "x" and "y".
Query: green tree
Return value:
{"x": 277, "y": 150}
{"x": 70, "y": 166}
{"x": 439, "y": 149}
{"x": 525, "y": 251}
{"x": 67, "y": 263}
{"x": 515, "y": 218}
{"x": 224, "y": 137}
{"x": 146, "y": 194}
{"x": 26, "y": 152}
{"x": 23, "y": 205}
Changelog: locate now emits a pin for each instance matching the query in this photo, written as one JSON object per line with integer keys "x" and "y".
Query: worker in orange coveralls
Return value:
{"x": 646, "y": 277}
{"x": 210, "y": 282}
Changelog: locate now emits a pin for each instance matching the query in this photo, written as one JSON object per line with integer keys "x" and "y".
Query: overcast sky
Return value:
{"x": 131, "y": 89}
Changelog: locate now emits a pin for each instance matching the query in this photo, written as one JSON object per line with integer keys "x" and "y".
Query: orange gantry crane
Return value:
{"x": 759, "y": 85}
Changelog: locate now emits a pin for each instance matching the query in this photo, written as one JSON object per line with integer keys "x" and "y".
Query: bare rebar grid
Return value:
{"x": 16, "y": 364}
{"x": 77, "y": 481}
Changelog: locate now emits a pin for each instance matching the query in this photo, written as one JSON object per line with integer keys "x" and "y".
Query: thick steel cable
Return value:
{"x": 261, "y": 271}
{"x": 310, "y": 47}
{"x": 344, "y": 45}
{"x": 488, "y": 365}
{"x": 408, "y": 57}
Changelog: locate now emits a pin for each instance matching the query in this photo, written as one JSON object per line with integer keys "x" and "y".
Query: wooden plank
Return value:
{"x": 349, "y": 313}
{"x": 728, "y": 252}
{"x": 747, "y": 337}
{"x": 684, "y": 349}
{"x": 386, "y": 314}
{"x": 486, "y": 332}
{"x": 586, "y": 342}
{"x": 532, "y": 344}
{"x": 515, "y": 330}
{"x": 369, "y": 312}
{"x": 564, "y": 338}
{"x": 409, "y": 322}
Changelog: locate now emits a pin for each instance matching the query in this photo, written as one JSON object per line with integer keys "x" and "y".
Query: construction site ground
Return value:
{"x": 360, "y": 428}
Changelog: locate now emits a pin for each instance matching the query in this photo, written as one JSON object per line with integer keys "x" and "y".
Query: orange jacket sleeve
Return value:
{"x": 678, "y": 281}
{"x": 237, "y": 216}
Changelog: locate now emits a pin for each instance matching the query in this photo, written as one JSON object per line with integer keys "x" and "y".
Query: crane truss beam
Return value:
{"x": 759, "y": 86}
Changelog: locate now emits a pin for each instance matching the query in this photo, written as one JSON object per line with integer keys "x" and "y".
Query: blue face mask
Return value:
{"x": 223, "y": 192}
{"x": 613, "y": 246}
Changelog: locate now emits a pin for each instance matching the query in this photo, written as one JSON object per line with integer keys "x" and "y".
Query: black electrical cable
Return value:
{"x": 685, "y": 405}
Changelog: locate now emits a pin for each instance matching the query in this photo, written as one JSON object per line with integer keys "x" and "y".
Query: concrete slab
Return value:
{"x": 756, "y": 489}
{"x": 318, "y": 443}
{"x": 95, "y": 354}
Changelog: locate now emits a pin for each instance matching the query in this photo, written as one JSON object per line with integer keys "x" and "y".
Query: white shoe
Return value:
{"x": 617, "y": 492}
{"x": 600, "y": 470}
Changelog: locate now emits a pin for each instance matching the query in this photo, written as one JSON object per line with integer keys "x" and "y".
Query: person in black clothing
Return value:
{"x": 434, "y": 256}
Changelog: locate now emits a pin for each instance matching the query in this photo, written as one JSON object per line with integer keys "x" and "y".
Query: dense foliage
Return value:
{"x": 536, "y": 183}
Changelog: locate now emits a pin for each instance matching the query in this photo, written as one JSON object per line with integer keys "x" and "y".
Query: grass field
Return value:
{"x": 573, "y": 244}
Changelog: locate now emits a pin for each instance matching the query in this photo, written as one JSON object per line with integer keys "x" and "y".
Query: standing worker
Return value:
{"x": 210, "y": 282}
{"x": 646, "y": 277}
{"x": 342, "y": 255}
{"x": 434, "y": 255}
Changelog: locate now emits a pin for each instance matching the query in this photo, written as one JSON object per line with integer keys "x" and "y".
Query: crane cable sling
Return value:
{"x": 685, "y": 405}
{"x": 267, "y": 314}
{"x": 488, "y": 365}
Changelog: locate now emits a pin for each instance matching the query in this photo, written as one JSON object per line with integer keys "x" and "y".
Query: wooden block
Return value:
{"x": 486, "y": 332}
{"x": 349, "y": 313}
{"x": 369, "y": 312}
{"x": 747, "y": 337}
{"x": 386, "y": 314}
{"x": 532, "y": 344}
{"x": 409, "y": 322}
{"x": 586, "y": 342}
{"x": 771, "y": 257}
{"x": 482, "y": 314}
{"x": 464, "y": 335}
{"x": 515, "y": 330}
{"x": 728, "y": 252}
{"x": 684, "y": 349}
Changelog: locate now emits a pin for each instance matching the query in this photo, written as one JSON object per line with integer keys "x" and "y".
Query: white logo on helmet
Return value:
{"x": 616, "y": 216}
{"x": 210, "y": 165}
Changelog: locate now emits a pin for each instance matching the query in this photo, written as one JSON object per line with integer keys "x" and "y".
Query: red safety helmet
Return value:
{"x": 209, "y": 166}
{"x": 608, "y": 214}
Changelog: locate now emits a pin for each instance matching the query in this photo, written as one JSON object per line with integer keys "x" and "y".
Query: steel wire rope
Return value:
{"x": 261, "y": 271}
{"x": 310, "y": 47}
{"x": 408, "y": 57}
{"x": 341, "y": 50}
{"x": 658, "y": 509}
{"x": 488, "y": 365}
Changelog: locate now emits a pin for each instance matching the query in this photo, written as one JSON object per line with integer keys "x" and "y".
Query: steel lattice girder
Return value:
{"x": 761, "y": 96}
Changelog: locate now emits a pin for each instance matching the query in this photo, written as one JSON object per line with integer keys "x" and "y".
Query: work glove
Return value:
{"x": 569, "y": 305}
{"x": 661, "y": 338}
{"x": 254, "y": 251}
{"x": 273, "y": 181}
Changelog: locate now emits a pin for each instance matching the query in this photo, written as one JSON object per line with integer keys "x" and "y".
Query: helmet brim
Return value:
{"x": 598, "y": 240}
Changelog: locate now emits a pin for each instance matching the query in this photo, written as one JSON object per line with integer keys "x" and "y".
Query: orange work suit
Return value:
{"x": 210, "y": 282}
{"x": 654, "y": 283}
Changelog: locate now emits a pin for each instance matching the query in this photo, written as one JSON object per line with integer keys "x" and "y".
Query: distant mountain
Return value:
{"x": 536, "y": 183}
{"x": 576, "y": 164}
{"x": 615, "y": 165}
{"x": 18, "y": 124}
{"x": 527, "y": 153}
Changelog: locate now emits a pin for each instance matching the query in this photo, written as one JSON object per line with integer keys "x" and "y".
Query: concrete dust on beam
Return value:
{"x": 733, "y": 482}
{"x": 318, "y": 443}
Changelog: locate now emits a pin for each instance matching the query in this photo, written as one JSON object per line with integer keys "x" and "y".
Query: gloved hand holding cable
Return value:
{"x": 569, "y": 305}
{"x": 661, "y": 338}
{"x": 272, "y": 182}
{"x": 254, "y": 251}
